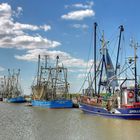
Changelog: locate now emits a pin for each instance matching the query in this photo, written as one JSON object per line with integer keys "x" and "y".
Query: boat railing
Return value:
{"x": 97, "y": 100}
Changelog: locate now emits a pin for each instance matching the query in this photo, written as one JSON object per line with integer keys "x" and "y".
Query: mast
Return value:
{"x": 121, "y": 30}
{"x": 17, "y": 82}
{"x": 103, "y": 62}
{"x": 38, "y": 72}
{"x": 135, "y": 46}
{"x": 135, "y": 62}
{"x": 9, "y": 83}
{"x": 65, "y": 78}
{"x": 66, "y": 82}
{"x": 56, "y": 76}
{"x": 95, "y": 28}
{"x": 46, "y": 58}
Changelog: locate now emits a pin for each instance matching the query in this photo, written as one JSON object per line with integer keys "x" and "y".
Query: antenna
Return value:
{"x": 135, "y": 46}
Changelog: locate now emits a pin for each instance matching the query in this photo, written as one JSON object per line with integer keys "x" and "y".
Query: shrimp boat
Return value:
{"x": 118, "y": 100}
{"x": 12, "y": 88}
{"x": 51, "y": 87}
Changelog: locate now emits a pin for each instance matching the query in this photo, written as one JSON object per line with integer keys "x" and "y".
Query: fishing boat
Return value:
{"x": 18, "y": 99}
{"x": 118, "y": 99}
{"x": 12, "y": 88}
{"x": 50, "y": 89}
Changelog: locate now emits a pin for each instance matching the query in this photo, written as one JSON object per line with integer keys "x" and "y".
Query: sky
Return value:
{"x": 64, "y": 28}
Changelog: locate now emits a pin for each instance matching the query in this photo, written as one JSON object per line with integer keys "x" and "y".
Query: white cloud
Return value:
{"x": 19, "y": 26}
{"x": 32, "y": 55}
{"x": 65, "y": 58}
{"x": 88, "y": 5}
{"x": 82, "y": 26}
{"x": 18, "y": 12}
{"x": 27, "y": 42}
{"x": 19, "y": 9}
{"x": 5, "y": 11}
{"x": 46, "y": 27}
{"x": 13, "y": 34}
{"x": 30, "y": 42}
{"x": 78, "y": 15}
{"x": 74, "y": 62}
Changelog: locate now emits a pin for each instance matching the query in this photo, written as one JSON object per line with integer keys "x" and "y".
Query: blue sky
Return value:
{"x": 60, "y": 27}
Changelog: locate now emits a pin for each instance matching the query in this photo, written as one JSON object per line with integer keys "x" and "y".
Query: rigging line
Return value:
{"x": 100, "y": 48}
{"x": 122, "y": 56}
{"x": 124, "y": 45}
{"x": 112, "y": 38}
{"x": 99, "y": 31}
{"x": 87, "y": 62}
{"x": 88, "y": 74}
{"x": 131, "y": 70}
{"x": 99, "y": 36}
{"x": 114, "y": 77}
{"x": 112, "y": 35}
{"x": 98, "y": 41}
{"x": 115, "y": 42}
{"x": 123, "y": 66}
{"x": 99, "y": 54}
{"x": 97, "y": 73}
{"x": 113, "y": 50}
{"x": 94, "y": 79}
{"x": 123, "y": 37}
{"x": 128, "y": 68}
{"x": 115, "y": 39}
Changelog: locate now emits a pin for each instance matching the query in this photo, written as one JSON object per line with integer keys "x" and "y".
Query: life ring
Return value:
{"x": 130, "y": 94}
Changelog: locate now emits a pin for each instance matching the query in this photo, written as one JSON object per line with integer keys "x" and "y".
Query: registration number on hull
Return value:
{"x": 134, "y": 111}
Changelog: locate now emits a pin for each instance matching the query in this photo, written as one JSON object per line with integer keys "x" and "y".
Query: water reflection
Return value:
{"x": 19, "y": 122}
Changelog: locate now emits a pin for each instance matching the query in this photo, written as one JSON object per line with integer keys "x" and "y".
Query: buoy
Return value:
{"x": 130, "y": 94}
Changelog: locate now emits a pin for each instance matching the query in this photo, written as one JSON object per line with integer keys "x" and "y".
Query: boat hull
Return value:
{"x": 120, "y": 113}
{"x": 19, "y": 99}
{"x": 53, "y": 104}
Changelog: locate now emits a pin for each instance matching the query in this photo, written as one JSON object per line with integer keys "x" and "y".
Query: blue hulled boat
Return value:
{"x": 51, "y": 88}
{"x": 125, "y": 112}
{"x": 19, "y": 99}
{"x": 117, "y": 99}
{"x": 12, "y": 92}
{"x": 53, "y": 104}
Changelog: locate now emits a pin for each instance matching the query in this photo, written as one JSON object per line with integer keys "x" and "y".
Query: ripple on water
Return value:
{"x": 20, "y": 122}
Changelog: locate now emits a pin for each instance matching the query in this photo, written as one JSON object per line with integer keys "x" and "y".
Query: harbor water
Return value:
{"x": 20, "y": 122}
